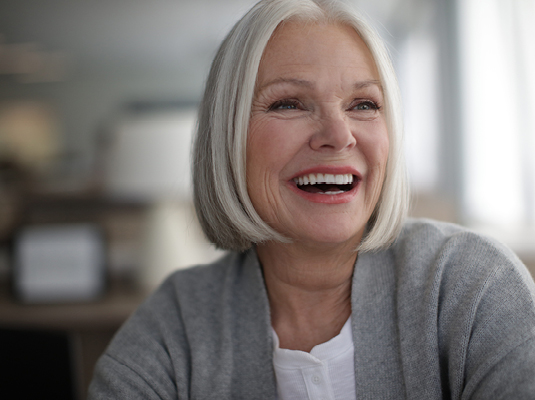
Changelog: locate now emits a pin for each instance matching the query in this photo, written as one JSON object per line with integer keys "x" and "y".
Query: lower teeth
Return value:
{"x": 338, "y": 192}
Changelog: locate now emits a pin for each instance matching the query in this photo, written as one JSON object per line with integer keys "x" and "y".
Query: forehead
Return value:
{"x": 297, "y": 46}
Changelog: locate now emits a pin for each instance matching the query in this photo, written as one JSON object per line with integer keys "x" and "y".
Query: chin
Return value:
{"x": 332, "y": 236}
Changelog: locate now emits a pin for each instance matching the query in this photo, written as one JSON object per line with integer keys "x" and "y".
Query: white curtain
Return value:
{"x": 497, "y": 45}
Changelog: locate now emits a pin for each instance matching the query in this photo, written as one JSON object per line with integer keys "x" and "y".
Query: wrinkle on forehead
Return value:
{"x": 310, "y": 85}
{"x": 283, "y": 50}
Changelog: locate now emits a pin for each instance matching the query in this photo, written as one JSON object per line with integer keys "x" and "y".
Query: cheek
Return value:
{"x": 271, "y": 145}
{"x": 376, "y": 150}
{"x": 259, "y": 149}
{"x": 381, "y": 144}
{"x": 382, "y": 151}
{"x": 374, "y": 144}
{"x": 261, "y": 160}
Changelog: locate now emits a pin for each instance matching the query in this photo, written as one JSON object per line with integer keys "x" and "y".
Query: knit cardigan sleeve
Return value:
{"x": 204, "y": 334}
{"x": 139, "y": 364}
{"x": 466, "y": 309}
{"x": 499, "y": 340}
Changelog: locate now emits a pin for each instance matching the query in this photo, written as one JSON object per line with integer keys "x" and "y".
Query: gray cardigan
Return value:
{"x": 443, "y": 313}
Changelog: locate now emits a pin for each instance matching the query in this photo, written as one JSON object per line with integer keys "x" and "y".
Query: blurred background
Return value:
{"x": 97, "y": 108}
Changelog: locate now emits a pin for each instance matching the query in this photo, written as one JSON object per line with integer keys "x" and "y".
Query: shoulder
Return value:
{"x": 471, "y": 278}
{"x": 195, "y": 290}
{"x": 196, "y": 300}
{"x": 203, "y": 280}
{"x": 474, "y": 294}
{"x": 423, "y": 242}
{"x": 186, "y": 290}
{"x": 425, "y": 232}
{"x": 463, "y": 276}
{"x": 457, "y": 261}
{"x": 198, "y": 291}
{"x": 150, "y": 355}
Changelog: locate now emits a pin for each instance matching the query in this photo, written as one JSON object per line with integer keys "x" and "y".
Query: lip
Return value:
{"x": 345, "y": 197}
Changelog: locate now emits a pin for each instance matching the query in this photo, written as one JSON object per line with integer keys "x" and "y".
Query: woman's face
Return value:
{"x": 317, "y": 115}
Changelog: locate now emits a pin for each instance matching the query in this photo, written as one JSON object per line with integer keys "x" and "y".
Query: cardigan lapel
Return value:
{"x": 253, "y": 376}
{"x": 374, "y": 324}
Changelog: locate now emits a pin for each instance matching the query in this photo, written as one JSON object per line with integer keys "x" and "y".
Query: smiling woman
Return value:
{"x": 228, "y": 217}
{"x": 326, "y": 292}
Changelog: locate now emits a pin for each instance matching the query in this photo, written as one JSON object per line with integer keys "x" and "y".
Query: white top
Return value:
{"x": 326, "y": 373}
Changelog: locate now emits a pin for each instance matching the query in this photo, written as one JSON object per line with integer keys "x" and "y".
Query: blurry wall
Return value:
{"x": 84, "y": 107}
{"x": 87, "y": 60}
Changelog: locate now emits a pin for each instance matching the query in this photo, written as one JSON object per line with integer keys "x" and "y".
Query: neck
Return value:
{"x": 309, "y": 292}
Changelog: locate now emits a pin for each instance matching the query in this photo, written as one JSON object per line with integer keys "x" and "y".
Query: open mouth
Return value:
{"x": 326, "y": 183}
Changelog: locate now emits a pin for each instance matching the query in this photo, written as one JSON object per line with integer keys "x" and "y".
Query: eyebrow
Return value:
{"x": 293, "y": 81}
{"x": 371, "y": 82}
{"x": 308, "y": 84}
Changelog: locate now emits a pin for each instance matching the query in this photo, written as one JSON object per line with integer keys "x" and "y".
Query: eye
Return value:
{"x": 366, "y": 105}
{"x": 285, "y": 105}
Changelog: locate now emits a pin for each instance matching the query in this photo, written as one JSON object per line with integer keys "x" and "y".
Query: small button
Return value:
{"x": 316, "y": 379}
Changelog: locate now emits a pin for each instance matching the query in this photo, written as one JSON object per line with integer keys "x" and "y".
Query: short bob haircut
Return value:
{"x": 222, "y": 203}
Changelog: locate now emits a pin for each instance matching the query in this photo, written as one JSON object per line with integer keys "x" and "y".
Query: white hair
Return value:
{"x": 223, "y": 205}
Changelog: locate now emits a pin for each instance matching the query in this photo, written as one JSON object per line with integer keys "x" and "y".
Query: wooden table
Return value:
{"x": 90, "y": 326}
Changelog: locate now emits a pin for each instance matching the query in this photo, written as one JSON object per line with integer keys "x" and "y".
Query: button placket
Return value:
{"x": 316, "y": 382}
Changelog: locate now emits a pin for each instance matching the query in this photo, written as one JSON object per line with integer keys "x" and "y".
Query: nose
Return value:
{"x": 334, "y": 134}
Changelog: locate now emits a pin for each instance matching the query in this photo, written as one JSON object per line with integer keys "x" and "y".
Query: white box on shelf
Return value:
{"x": 59, "y": 263}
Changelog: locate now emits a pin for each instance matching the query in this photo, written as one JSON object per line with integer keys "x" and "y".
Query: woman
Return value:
{"x": 327, "y": 293}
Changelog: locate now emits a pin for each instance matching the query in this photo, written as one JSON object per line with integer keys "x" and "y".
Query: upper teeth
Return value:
{"x": 313, "y": 179}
